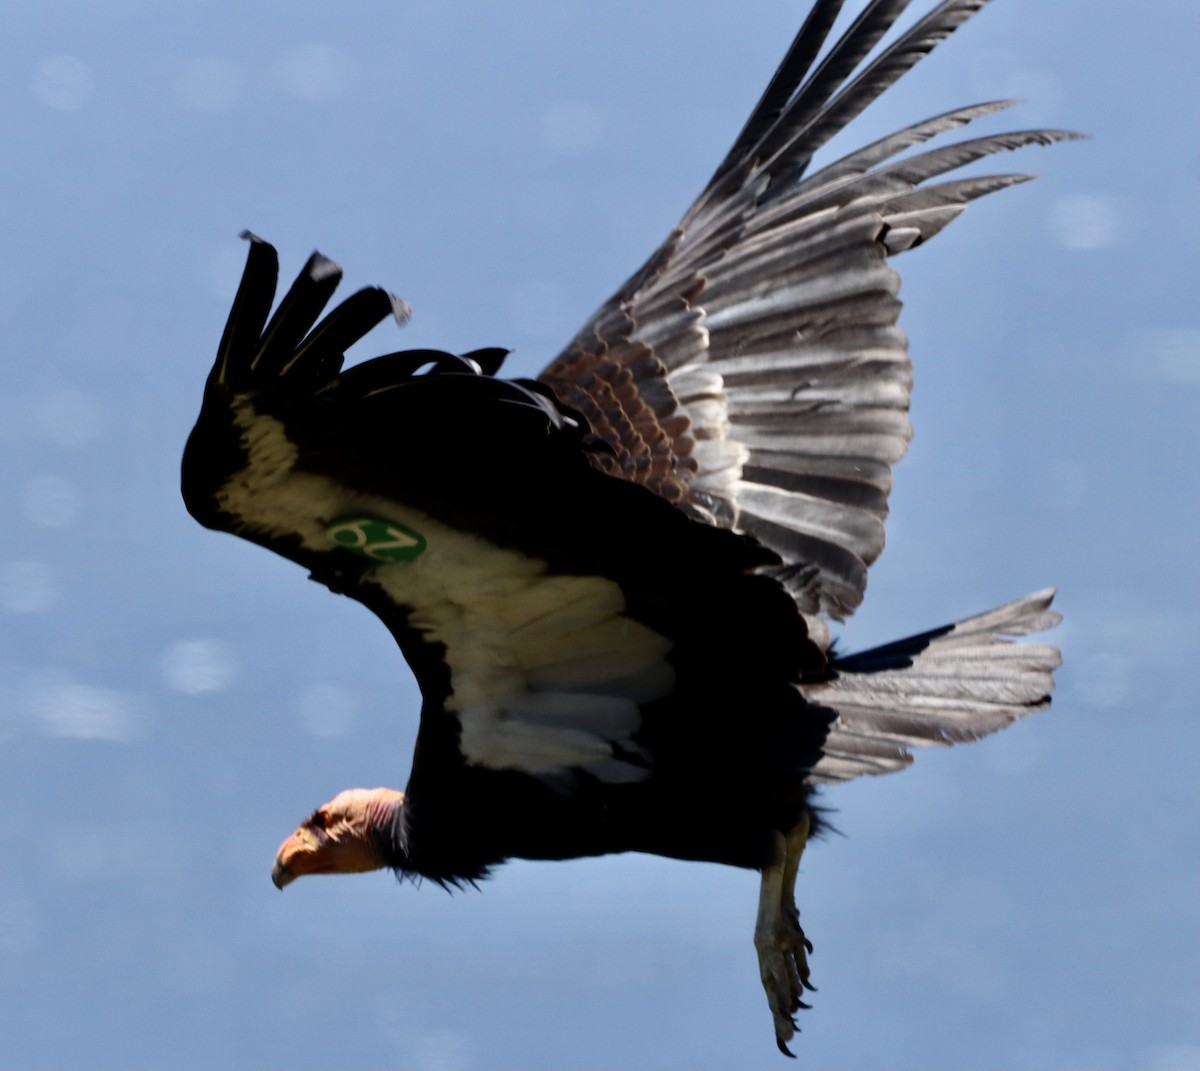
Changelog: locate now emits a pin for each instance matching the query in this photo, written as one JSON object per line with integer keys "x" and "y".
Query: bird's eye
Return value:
{"x": 316, "y": 820}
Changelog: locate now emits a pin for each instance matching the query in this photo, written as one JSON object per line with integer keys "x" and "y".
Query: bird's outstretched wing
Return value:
{"x": 542, "y": 605}
{"x": 751, "y": 371}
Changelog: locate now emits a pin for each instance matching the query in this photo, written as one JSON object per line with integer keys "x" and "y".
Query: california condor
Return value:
{"x": 613, "y": 582}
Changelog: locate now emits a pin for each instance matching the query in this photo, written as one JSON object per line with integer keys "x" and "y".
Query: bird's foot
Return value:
{"x": 783, "y": 966}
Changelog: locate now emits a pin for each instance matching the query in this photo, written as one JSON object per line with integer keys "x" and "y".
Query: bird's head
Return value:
{"x": 343, "y": 836}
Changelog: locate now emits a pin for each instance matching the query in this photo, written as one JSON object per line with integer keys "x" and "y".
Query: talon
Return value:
{"x": 780, "y": 941}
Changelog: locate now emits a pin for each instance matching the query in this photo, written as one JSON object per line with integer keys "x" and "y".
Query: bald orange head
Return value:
{"x": 337, "y": 838}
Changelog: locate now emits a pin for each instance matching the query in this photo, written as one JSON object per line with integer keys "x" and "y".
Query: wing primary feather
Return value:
{"x": 862, "y": 160}
{"x": 812, "y": 127}
{"x": 251, "y": 306}
{"x": 862, "y": 36}
{"x": 300, "y": 308}
{"x": 350, "y": 321}
{"x": 796, "y": 64}
{"x": 921, "y": 167}
{"x": 806, "y": 101}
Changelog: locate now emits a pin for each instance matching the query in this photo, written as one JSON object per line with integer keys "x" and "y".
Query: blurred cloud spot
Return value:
{"x": 571, "y": 128}
{"x": 325, "y": 711}
{"x": 114, "y": 850}
{"x": 27, "y": 587}
{"x": 1086, "y": 221}
{"x": 68, "y": 418}
{"x": 18, "y": 927}
{"x": 439, "y": 1050}
{"x": 198, "y": 666}
{"x": 50, "y": 500}
{"x": 1175, "y": 355}
{"x": 999, "y": 73}
{"x": 209, "y": 85}
{"x": 63, "y": 82}
{"x": 1171, "y": 1058}
{"x": 312, "y": 72}
{"x": 81, "y": 711}
{"x": 10, "y": 714}
{"x": 1103, "y": 680}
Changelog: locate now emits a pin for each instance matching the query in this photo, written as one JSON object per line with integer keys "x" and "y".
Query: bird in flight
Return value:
{"x": 614, "y": 582}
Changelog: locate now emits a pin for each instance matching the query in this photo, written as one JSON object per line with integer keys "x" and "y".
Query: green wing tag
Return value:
{"x": 375, "y": 539}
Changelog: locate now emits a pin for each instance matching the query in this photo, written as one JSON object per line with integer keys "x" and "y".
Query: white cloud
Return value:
{"x": 198, "y": 666}
{"x": 326, "y": 711}
{"x": 1085, "y": 221}
{"x": 81, "y": 711}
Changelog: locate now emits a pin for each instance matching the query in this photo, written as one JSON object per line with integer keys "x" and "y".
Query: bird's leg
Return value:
{"x": 778, "y": 939}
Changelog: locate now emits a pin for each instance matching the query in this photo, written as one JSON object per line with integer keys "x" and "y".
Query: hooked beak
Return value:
{"x": 300, "y": 848}
{"x": 281, "y": 876}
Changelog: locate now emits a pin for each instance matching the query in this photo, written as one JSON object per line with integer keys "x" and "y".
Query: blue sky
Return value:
{"x": 173, "y": 701}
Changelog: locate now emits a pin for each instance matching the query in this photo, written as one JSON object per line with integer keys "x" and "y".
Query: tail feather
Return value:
{"x": 950, "y": 685}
